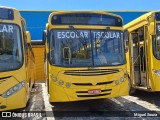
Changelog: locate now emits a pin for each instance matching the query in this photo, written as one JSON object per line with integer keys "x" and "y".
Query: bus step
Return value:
{"x": 142, "y": 88}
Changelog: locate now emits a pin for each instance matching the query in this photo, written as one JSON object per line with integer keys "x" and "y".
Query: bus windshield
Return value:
{"x": 86, "y": 48}
{"x": 108, "y": 48}
{"x": 10, "y": 47}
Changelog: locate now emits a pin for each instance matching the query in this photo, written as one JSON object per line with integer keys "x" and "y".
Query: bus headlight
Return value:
{"x": 13, "y": 90}
{"x": 54, "y": 79}
{"x": 68, "y": 85}
{"x": 51, "y": 75}
{"x": 61, "y": 82}
{"x": 125, "y": 75}
{"x": 117, "y": 82}
{"x": 157, "y": 72}
{"x": 122, "y": 79}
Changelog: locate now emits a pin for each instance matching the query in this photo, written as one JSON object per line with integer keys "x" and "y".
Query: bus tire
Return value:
{"x": 47, "y": 85}
{"x": 132, "y": 90}
{"x": 33, "y": 85}
{"x": 28, "y": 103}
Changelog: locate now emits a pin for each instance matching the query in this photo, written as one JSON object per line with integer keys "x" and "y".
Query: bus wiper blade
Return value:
{"x": 81, "y": 39}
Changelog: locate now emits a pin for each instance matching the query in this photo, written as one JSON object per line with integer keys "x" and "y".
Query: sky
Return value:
{"x": 82, "y": 4}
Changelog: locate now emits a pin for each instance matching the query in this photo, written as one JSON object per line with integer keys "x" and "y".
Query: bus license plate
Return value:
{"x": 94, "y": 91}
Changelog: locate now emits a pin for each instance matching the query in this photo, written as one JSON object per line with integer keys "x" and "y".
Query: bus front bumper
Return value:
{"x": 63, "y": 94}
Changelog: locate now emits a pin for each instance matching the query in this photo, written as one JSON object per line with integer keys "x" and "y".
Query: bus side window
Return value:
{"x": 141, "y": 33}
{"x": 135, "y": 39}
{"x": 156, "y": 46}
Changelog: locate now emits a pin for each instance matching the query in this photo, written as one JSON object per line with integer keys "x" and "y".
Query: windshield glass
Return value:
{"x": 108, "y": 48}
{"x": 86, "y": 48}
{"x": 69, "y": 48}
{"x": 10, "y": 47}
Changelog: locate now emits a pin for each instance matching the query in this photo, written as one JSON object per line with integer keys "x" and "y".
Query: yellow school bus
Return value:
{"x": 84, "y": 56}
{"x": 16, "y": 60}
{"x": 142, "y": 37}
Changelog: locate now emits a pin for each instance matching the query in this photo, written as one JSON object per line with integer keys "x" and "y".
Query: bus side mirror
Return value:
{"x": 44, "y": 36}
{"x": 28, "y": 37}
{"x": 126, "y": 40}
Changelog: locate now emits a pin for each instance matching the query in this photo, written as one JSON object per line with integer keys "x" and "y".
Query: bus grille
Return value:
{"x": 91, "y": 72}
{"x": 90, "y": 84}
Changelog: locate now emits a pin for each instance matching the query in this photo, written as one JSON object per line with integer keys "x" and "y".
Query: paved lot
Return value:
{"x": 141, "y": 104}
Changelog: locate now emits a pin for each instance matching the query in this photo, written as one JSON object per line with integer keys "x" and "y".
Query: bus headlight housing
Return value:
{"x": 157, "y": 72}
{"x": 125, "y": 75}
{"x": 122, "y": 79}
{"x": 68, "y": 85}
{"x": 117, "y": 82}
{"x": 14, "y": 89}
{"x": 61, "y": 82}
{"x": 54, "y": 79}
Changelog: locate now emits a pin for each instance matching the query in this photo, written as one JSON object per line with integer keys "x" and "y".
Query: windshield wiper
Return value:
{"x": 80, "y": 38}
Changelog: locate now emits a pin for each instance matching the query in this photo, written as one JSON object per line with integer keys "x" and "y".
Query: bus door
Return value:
{"x": 139, "y": 56}
{"x": 143, "y": 45}
{"x": 144, "y": 59}
{"x": 135, "y": 59}
{"x": 143, "y": 65}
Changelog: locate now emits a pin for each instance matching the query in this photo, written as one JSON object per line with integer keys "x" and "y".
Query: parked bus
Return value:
{"x": 84, "y": 56}
{"x": 142, "y": 37}
{"x": 16, "y": 60}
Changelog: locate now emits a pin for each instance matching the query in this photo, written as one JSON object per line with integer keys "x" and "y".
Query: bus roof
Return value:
{"x": 97, "y": 12}
{"x": 139, "y": 19}
{"x": 8, "y": 8}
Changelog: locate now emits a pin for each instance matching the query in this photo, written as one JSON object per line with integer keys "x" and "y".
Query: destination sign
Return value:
{"x": 6, "y": 28}
{"x": 6, "y": 14}
{"x": 86, "y": 19}
{"x": 85, "y": 34}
